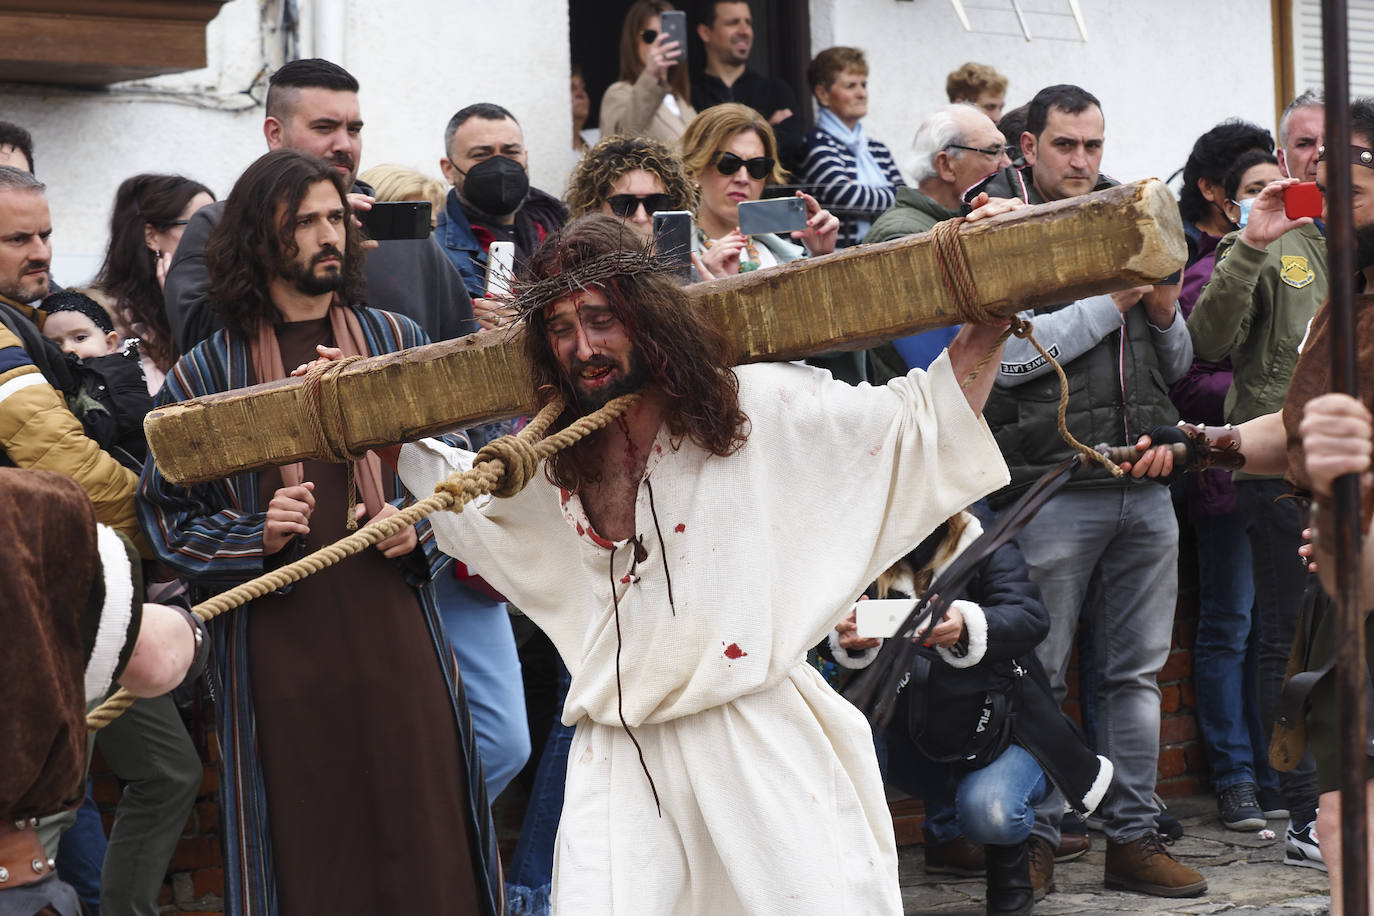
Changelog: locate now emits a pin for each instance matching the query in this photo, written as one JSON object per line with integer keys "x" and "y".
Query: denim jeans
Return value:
{"x": 1113, "y": 553}
{"x": 1275, "y": 524}
{"x": 993, "y": 805}
{"x": 479, "y": 630}
{"x": 530, "y": 876}
{"x": 1225, "y": 656}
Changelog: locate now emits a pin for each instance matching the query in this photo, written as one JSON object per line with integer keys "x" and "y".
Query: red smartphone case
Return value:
{"x": 1303, "y": 199}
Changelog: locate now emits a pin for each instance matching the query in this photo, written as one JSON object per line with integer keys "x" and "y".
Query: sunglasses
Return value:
{"x": 648, "y": 36}
{"x": 627, "y": 205}
{"x": 759, "y": 168}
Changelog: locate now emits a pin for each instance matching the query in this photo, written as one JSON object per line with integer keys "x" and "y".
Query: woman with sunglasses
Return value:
{"x": 630, "y": 178}
{"x": 731, "y": 152}
{"x": 849, "y": 172}
{"x": 651, "y": 98}
{"x": 150, "y": 215}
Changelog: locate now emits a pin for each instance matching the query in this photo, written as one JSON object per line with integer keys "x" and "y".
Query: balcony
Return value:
{"x": 98, "y": 42}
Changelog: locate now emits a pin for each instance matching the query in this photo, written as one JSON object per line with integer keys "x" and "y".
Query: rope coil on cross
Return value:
{"x": 952, "y": 260}
{"x": 502, "y": 468}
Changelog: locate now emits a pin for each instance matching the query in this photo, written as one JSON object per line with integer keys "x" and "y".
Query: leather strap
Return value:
{"x": 22, "y": 859}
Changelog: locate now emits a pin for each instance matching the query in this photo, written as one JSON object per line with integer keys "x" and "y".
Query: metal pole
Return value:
{"x": 1350, "y": 657}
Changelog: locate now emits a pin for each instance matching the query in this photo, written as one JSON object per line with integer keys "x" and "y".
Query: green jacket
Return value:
{"x": 912, "y": 213}
{"x": 1255, "y": 310}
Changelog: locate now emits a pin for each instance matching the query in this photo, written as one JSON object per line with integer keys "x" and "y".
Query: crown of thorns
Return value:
{"x": 595, "y": 271}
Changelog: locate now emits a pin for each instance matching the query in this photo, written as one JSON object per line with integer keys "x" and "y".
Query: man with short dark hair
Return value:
{"x": 312, "y": 107}
{"x": 726, "y": 30}
{"x": 486, "y": 161}
{"x": 1102, "y": 545}
{"x": 342, "y": 687}
{"x": 16, "y": 146}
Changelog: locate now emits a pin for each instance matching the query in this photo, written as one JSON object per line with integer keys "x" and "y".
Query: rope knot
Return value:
{"x": 321, "y": 397}
{"x": 519, "y": 460}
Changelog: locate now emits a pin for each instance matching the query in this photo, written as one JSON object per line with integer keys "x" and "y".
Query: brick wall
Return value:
{"x": 195, "y": 883}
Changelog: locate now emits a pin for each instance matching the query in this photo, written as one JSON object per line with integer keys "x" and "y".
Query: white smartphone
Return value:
{"x": 500, "y": 268}
{"x": 882, "y": 618}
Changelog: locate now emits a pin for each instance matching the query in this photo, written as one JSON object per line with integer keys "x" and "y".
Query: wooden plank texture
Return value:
{"x": 1052, "y": 253}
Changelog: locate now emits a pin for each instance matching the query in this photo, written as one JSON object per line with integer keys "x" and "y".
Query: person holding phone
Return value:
{"x": 630, "y": 178}
{"x": 732, "y": 152}
{"x": 651, "y": 98}
{"x": 1269, "y": 280}
{"x": 850, "y": 173}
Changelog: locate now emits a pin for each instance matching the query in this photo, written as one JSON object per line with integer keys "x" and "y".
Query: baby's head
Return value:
{"x": 78, "y": 325}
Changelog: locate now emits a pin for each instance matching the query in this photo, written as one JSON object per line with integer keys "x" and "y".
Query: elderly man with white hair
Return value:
{"x": 955, "y": 148}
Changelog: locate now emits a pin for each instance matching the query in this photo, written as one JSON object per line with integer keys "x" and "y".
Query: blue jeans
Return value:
{"x": 1224, "y": 658}
{"x": 1113, "y": 553}
{"x": 994, "y": 805}
{"x": 81, "y": 853}
{"x": 1275, "y": 524}
{"x": 530, "y": 876}
{"x": 479, "y": 630}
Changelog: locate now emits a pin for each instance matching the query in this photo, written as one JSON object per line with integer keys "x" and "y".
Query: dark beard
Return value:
{"x": 634, "y": 379}
{"x": 311, "y": 283}
{"x": 1364, "y": 246}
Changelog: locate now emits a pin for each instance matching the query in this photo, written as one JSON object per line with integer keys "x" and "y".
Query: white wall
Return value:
{"x": 418, "y": 61}
{"x": 1165, "y": 70}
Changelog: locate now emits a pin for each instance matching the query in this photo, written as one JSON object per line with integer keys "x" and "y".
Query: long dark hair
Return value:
{"x": 129, "y": 274}
{"x": 630, "y": 64}
{"x": 256, "y": 238}
{"x": 688, "y": 359}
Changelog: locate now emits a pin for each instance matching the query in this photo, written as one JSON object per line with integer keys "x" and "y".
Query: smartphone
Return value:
{"x": 500, "y": 268}
{"x": 673, "y": 23}
{"x": 782, "y": 214}
{"x": 1302, "y": 199}
{"x": 396, "y": 219}
{"x": 673, "y": 241}
{"x": 882, "y": 618}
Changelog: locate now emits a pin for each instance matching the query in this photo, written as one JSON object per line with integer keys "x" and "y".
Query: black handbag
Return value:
{"x": 962, "y": 715}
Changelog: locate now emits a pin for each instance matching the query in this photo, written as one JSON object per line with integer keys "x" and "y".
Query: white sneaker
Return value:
{"x": 1300, "y": 847}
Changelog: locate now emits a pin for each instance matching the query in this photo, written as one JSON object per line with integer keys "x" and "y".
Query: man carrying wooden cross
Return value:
{"x": 684, "y": 559}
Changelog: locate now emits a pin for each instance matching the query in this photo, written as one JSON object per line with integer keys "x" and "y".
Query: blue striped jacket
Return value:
{"x": 211, "y": 535}
{"x": 830, "y": 174}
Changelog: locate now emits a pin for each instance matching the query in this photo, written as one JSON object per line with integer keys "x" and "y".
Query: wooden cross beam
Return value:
{"x": 1052, "y": 253}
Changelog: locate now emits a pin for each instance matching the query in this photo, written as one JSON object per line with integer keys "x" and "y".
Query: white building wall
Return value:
{"x": 418, "y": 62}
{"x": 1165, "y": 70}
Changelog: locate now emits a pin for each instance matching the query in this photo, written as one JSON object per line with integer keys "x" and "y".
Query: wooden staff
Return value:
{"x": 1350, "y": 644}
{"x": 1043, "y": 255}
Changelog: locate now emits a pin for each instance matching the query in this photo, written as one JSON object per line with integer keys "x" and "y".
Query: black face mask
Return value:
{"x": 496, "y": 186}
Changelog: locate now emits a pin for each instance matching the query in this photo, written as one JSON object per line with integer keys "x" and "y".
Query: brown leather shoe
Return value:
{"x": 1071, "y": 846}
{"x": 1041, "y": 866}
{"x": 1145, "y": 866}
{"x": 957, "y": 857}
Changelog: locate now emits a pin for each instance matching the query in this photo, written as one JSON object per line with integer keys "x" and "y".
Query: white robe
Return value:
{"x": 771, "y": 797}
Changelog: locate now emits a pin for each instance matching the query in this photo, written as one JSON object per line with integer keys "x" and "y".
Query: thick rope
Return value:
{"x": 952, "y": 259}
{"x": 498, "y": 466}
{"x": 330, "y": 442}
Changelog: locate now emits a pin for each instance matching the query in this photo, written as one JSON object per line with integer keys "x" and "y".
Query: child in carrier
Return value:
{"x": 110, "y": 395}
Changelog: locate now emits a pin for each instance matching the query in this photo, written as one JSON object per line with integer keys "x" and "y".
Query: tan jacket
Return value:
{"x": 37, "y": 431}
{"x": 638, "y": 111}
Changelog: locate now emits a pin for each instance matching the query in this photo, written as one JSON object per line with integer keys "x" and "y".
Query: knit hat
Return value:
{"x": 71, "y": 301}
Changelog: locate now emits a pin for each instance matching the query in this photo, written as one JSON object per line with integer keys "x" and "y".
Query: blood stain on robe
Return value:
{"x": 680, "y": 528}
{"x": 733, "y": 651}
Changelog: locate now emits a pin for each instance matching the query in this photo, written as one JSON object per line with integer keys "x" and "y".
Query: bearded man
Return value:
{"x": 349, "y": 781}
{"x": 684, "y": 559}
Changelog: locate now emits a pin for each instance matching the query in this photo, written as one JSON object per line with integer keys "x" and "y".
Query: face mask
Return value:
{"x": 496, "y": 186}
{"x": 1245, "y": 206}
